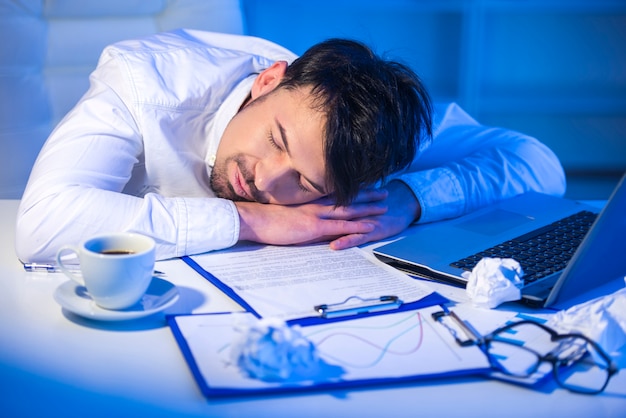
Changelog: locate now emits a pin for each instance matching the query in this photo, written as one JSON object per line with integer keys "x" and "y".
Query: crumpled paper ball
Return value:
{"x": 494, "y": 281}
{"x": 270, "y": 350}
{"x": 602, "y": 319}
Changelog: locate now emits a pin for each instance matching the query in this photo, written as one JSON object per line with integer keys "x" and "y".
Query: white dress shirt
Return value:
{"x": 136, "y": 152}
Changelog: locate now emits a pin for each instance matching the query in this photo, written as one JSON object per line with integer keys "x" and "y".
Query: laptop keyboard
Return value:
{"x": 540, "y": 252}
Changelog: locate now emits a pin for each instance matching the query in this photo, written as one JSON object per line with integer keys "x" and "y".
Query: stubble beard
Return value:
{"x": 222, "y": 187}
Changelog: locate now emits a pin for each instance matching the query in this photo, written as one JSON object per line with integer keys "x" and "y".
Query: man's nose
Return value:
{"x": 270, "y": 173}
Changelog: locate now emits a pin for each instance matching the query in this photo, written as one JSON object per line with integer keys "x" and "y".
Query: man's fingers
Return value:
{"x": 364, "y": 196}
{"x": 349, "y": 241}
{"x": 370, "y": 195}
{"x": 354, "y": 211}
{"x": 336, "y": 228}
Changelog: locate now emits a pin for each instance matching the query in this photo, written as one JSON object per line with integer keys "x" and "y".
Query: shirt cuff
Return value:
{"x": 207, "y": 224}
{"x": 438, "y": 192}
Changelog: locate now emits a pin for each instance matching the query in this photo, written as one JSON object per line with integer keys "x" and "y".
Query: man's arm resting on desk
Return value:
{"x": 310, "y": 222}
{"x": 374, "y": 215}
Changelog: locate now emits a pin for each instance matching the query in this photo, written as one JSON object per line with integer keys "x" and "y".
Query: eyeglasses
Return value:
{"x": 520, "y": 348}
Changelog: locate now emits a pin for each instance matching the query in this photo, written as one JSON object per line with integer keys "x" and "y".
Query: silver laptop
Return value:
{"x": 565, "y": 247}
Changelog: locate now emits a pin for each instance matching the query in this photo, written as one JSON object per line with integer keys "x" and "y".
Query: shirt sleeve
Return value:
{"x": 76, "y": 187}
{"x": 468, "y": 166}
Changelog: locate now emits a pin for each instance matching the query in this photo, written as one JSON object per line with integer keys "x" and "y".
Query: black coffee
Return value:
{"x": 117, "y": 252}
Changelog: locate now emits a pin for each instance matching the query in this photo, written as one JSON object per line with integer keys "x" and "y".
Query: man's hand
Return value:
{"x": 309, "y": 222}
{"x": 374, "y": 215}
{"x": 402, "y": 210}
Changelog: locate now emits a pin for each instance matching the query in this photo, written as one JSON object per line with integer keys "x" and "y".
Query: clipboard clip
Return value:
{"x": 355, "y": 305}
{"x": 473, "y": 336}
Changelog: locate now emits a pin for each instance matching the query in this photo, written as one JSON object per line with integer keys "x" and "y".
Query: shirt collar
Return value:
{"x": 227, "y": 110}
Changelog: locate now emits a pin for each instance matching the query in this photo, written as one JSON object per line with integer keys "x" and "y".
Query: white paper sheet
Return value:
{"x": 287, "y": 282}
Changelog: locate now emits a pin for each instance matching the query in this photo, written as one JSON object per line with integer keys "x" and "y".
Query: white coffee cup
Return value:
{"x": 116, "y": 268}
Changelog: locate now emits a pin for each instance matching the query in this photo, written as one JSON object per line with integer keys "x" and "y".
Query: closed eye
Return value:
{"x": 301, "y": 186}
{"x": 272, "y": 141}
{"x": 299, "y": 177}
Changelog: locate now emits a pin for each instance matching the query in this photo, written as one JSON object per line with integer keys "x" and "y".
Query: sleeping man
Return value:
{"x": 200, "y": 140}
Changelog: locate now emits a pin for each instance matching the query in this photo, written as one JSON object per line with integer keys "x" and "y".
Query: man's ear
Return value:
{"x": 268, "y": 79}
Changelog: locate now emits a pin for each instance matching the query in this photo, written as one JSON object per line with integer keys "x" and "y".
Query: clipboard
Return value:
{"x": 204, "y": 341}
{"x": 356, "y": 351}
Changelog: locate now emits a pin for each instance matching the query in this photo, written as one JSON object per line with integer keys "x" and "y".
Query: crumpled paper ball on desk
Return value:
{"x": 268, "y": 349}
{"x": 494, "y": 281}
{"x": 602, "y": 319}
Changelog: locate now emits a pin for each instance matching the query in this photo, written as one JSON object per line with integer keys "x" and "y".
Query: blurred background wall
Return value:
{"x": 554, "y": 69}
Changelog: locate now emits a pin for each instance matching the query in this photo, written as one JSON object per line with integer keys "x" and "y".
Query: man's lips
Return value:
{"x": 240, "y": 186}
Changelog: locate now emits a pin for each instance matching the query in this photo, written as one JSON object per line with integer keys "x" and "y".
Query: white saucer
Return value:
{"x": 160, "y": 295}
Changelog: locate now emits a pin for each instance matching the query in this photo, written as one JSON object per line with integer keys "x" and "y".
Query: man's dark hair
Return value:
{"x": 377, "y": 112}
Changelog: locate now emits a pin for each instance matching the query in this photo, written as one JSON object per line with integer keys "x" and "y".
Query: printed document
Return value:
{"x": 287, "y": 282}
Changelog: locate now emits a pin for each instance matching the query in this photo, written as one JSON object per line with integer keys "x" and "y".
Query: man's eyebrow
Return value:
{"x": 283, "y": 135}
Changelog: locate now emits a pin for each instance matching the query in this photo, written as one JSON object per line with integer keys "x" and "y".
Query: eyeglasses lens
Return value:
{"x": 589, "y": 373}
{"x": 526, "y": 348}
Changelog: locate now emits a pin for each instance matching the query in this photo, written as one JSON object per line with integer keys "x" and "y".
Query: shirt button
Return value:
{"x": 212, "y": 160}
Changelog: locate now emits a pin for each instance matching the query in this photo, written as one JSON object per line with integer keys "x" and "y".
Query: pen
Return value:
{"x": 44, "y": 268}
{"x": 50, "y": 268}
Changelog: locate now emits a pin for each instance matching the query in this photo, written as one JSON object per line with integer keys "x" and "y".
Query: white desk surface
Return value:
{"x": 55, "y": 364}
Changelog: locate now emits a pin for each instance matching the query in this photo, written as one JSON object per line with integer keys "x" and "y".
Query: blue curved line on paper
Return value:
{"x": 384, "y": 349}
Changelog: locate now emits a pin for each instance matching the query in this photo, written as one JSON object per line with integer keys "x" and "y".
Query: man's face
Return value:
{"x": 272, "y": 151}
